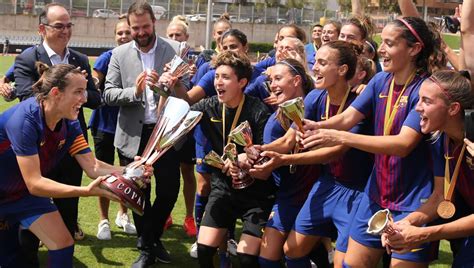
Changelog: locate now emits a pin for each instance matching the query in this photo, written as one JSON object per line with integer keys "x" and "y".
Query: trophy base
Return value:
{"x": 243, "y": 183}
{"x": 129, "y": 193}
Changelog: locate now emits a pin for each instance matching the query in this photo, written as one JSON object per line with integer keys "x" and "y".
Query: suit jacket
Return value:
{"x": 124, "y": 67}
{"x": 26, "y": 75}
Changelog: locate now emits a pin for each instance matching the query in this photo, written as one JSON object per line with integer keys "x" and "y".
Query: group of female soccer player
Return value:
{"x": 395, "y": 146}
{"x": 360, "y": 153}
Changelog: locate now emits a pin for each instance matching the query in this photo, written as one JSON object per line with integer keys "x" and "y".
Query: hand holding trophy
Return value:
{"x": 174, "y": 121}
{"x": 242, "y": 135}
{"x": 178, "y": 68}
{"x": 294, "y": 110}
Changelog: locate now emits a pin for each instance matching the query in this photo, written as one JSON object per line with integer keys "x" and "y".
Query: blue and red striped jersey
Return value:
{"x": 294, "y": 187}
{"x": 401, "y": 184}
{"x": 354, "y": 166}
{"x": 23, "y": 132}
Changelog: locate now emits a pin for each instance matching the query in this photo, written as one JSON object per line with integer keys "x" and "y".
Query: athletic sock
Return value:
{"x": 206, "y": 255}
{"x": 266, "y": 263}
{"x": 224, "y": 260}
{"x": 199, "y": 207}
{"x": 302, "y": 262}
{"x": 247, "y": 260}
{"x": 61, "y": 258}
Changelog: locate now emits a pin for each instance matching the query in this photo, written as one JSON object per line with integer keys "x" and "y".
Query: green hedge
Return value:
{"x": 261, "y": 47}
{"x": 254, "y": 47}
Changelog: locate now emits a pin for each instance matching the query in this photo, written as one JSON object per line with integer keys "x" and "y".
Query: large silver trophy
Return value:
{"x": 174, "y": 122}
{"x": 293, "y": 110}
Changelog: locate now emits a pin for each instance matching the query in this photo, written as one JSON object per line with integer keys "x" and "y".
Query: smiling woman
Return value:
{"x": 401, "y": 180}
{"x": 35, "y": 134}
{"x": 222, "y": 113}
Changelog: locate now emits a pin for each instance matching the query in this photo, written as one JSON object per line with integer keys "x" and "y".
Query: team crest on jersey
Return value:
{"x": 469, "y": 162}
{"x": 403, "y": 101}
{"x": 61, "y": 144}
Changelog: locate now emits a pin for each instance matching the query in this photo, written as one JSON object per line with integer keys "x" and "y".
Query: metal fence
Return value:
{"x": 244, "y": 13}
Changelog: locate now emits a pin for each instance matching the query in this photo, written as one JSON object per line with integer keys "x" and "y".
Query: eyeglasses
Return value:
{"x": 60, "y": 27}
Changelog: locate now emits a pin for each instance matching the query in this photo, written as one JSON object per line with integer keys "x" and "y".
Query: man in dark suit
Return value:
{"x": 56, "y": 28}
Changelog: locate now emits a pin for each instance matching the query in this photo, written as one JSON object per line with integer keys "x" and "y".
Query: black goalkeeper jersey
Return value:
{"x": 253, "y": 111}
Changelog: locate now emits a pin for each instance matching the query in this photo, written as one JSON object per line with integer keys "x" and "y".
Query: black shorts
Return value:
{"x": 222, "y": 209}
{"x": 187, "y": 152}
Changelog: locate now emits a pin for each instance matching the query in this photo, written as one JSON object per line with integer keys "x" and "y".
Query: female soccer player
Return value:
{"x": 222, "y": 113}
{"x": 334, "y": 197}
{"x": 444, "y": 97}
{"x": 220, "y": 26}
{"x": 288, "y": 81}
{"x": 289, "y": 47}
{"x": 356, "y": 29}
{"x": 34, "y": 135}
{"x": 331, "y": 31}
{"x": 291, "y": 30}
{"x": 401, "y": 179}
{"x": 231, "y": 40}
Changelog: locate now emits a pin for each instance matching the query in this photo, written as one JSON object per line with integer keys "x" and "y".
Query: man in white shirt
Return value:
{"x": 131, "y": 66}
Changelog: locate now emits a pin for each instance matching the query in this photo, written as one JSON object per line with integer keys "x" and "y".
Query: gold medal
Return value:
{"x": 389, "y": 113}
{"x": 446, "y": 208}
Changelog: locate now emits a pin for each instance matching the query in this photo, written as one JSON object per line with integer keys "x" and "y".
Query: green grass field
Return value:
{"x": 121, "y": 251}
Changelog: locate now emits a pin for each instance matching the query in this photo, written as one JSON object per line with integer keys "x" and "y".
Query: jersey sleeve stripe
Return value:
{"x": 78, "y": 145}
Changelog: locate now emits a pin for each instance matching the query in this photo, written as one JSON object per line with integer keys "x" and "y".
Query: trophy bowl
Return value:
{"x": 127, "y": 189}
{"x": 243, "y": 180}
{"x": 381, "y": 222}
{"x": 294, "y": 110}
{"x": 242, "y": 135}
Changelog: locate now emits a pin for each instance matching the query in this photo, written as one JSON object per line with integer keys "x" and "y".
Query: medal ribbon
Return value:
{"x": 450, "y": 182}
{"x": 389, "y": 113}
{"x": 341, "y": 107}
{"x": 234, "y": 122}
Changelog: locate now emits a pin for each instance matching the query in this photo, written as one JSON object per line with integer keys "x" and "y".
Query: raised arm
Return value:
{"x": 467, "y": 34}
{"x": 343, "y": 121}
{"x": 408, "y": 8}
{"x": 357, "y": 8}
{"x": 398, "y": 145}
{"x": 192, "y": 96}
